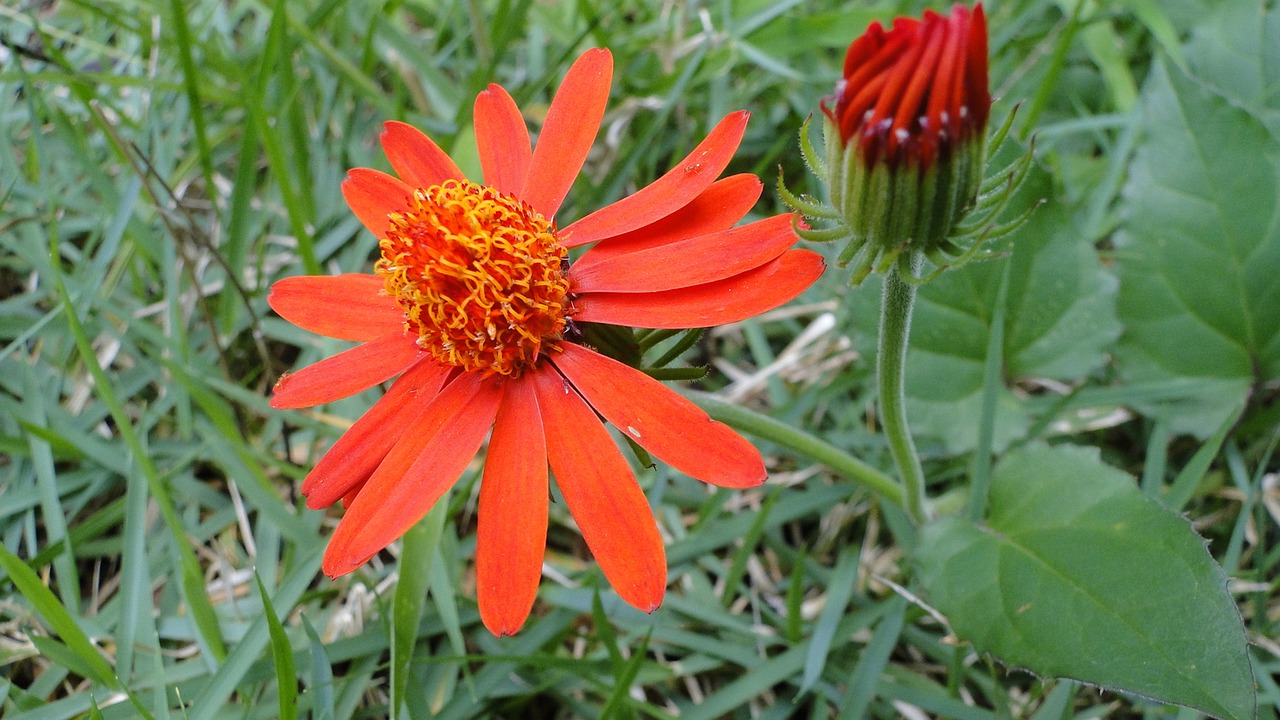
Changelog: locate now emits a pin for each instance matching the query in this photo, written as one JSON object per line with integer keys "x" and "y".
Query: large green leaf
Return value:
{"x": 1077, "y": 574}
{"x": 1234, "y": 50}
{"x": 1199, "y": 252}
{"x": 1059, "y": 321}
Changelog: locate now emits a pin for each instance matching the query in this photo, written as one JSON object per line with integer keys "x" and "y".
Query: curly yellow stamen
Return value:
{"x": 480, "y": 276}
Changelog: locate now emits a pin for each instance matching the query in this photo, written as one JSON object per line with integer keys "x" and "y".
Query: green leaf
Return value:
{"x": 1078, "y": 574}
{"x": 1233, "y": 49}
{"x": 1199, "y": 251}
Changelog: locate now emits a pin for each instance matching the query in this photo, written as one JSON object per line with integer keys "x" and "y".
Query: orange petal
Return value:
{"x": 694, "y": 261}
{"x": 602, "y": 494}
{"x": 372, "y": 195}
{"x": 503, "y": 140}
{"x": 977, "y": 91}
{"x": 357, "y": 453}
{"x": 511, "y": 530}
{"x": 420, "y": 467}
{"x": 899, "y": 76}
{"x": 346, "y": 373}
{"x": 668, "y": 193}
{"x": 717, "y": 303}
{"x": 944, "y": 96}
{"x": 661, "y": 421}
{"x": 415, "y": 157}
{"x": 719, "y": 207}
{"x": 911, "y": 105}
{"x": 346, "y": 307}
{"x": 567, "y": 134}
{"x": 350, "y": 497}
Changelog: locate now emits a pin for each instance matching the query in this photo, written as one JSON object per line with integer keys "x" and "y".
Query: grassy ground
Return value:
{"x": 165, "y": 162}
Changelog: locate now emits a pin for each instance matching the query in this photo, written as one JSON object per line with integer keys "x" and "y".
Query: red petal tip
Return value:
{"x": 274, "y": 402}
{"x": 502, "y": 629}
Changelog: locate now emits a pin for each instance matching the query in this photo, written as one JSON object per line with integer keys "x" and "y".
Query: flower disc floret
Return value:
{"x": 480, "y": 276}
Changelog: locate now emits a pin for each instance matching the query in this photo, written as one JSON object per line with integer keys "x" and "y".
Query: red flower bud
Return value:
{"x": 906, "y": 140}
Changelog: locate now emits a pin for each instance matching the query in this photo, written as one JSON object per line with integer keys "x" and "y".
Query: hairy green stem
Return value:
{"x": 801, "y": 442}
{"x": 895, "y": 326}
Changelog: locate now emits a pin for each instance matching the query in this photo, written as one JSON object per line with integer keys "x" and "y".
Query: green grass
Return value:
{"x": 165, "y": 162}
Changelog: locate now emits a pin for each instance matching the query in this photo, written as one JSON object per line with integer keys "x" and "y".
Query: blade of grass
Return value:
{"x": 608, "y": 637}
{"x": 1250, "y": 487}
{"x": 445, "y": 599}
{"x": 506, "y": 653}
{"x": 282, "y": 652}
{"x": 873, "y": 660}
{"x": 90, "y": 660}
{"x": 911, "y": 689}
{"x": 740, "y": 692}
{"x": 416, "y": 555}
{"x": 191, "y": 83}
{"x": 212, "y": 698}
{"x": 368, "y": 87}
{"x": 321, "y": 676}
{"x": 750, "y": 541}
{"x": 795, "y": 598}
{"x": 1155, "y": 464}
{"x": 1056, "y": 66}
{"x": 992, "y": 384}
{"x": 1183, "y": 487}
{"x": 135, "y": 574}
{"x": 623, "y": 680}
{"x": 1056, "y": 705}
{"x": 726, "y": 531}
{"x": 256, "y": 104}
{"x": 55, "y": 523}
{"x": 839, "y": 591}
{"x": 192, "y": 578}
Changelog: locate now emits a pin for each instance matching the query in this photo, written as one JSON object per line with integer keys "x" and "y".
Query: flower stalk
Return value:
{"x": 765, "y": 427}
{"x": 896, "y": 304}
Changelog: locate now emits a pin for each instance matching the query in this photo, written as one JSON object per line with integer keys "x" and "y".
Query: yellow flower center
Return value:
{"x": 480, "y": 275}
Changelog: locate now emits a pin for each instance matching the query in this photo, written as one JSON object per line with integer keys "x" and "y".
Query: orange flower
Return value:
{"x": 475, "y": 305}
